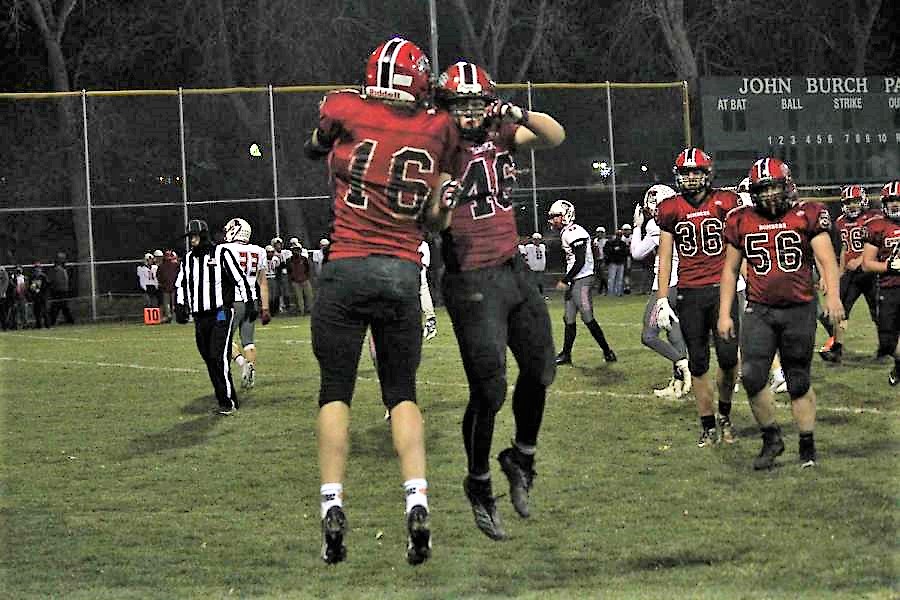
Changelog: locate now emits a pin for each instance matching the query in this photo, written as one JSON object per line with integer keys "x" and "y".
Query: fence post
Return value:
{"x": 612, "y": 156}
{"x": 533, "y": 172}
{"x": 686, "y": 107}
{"x": 184, "y": 175}
{"x": 90, "y": 215}
{"x": 274, "y": 159}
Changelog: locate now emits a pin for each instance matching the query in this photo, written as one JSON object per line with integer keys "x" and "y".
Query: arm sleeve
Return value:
{"x": 642, "y": 247}
{"x": 579, "y": 248}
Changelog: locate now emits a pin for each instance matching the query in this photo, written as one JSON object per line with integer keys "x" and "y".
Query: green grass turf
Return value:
{"x": 118, "y": 483}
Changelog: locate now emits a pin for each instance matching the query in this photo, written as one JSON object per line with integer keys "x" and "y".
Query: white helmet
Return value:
{"x": 237, "y": 230}
{"x": 600, "y": 230}
{"x": 626, "y": 227}
{"x": 656, "y": 194}
{"x": 536, "y": 236}
{"x": 270, "y": 248}
{"x": 564, "y": 209}
{"x": 744, "y": 186}
{"x": 277, "y": 240}
{"x": 158, "y": 253}
{"x": 148, "y": 257}
{"x": 294, "y": 243}
{"x": 324, "y": 243}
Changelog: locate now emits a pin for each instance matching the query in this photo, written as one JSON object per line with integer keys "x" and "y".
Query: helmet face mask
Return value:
{"x": 693, "y": 172}
{"x": 890, "y": 201}
{"x": 655, "y": 195}
{"x": 854, "y": 201}
{"x": 466, "y": 90}
{"x": 772, "y": 188}
{"x": 562, "y": 214}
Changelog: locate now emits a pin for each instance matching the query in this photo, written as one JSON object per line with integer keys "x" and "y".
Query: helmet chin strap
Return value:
{"x": 474, "y": 134}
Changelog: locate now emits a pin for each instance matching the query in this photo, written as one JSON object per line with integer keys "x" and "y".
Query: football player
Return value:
{"x": 535, "y": 253}
{"x": 388, "y": 157}
{"x": 578, "y": 281}
{"x": 490, "y": 296}
{"x": 855, "y": 282}
{"x": 254, "y": 264}
{"x": 881, "y": 254}
{"x": 780, "y": 241}
{"x": 644, "y": 243}
{"x": 693, "y": 222}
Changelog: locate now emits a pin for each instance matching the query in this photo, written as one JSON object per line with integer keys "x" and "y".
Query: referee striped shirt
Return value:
{"x": 211, "y": 280}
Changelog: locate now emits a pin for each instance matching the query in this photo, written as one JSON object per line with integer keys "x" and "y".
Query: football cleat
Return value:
{"x": 707, "y": 438}
{"x": 778, "y": 386}
{"x": 684, "y": 373}
{"x": 610, "y": 356}
{"x": 808, "y": 459}
{"x": 251, "y": 375}
{"x": 520, "y": 477}
{"x": 827, "y": 345}
{"x": 484, "y": 508}
{"x": 564, "y": 358}
{"x": 893, "y": 378}
{"x": 418, "y": 526}
{"x": 670, "y": 391}
{"x": 831, "y": 356}
{"x": 771, "y": 450}
{"x": 726, "y": 430}
{"x": 334, "y": 528}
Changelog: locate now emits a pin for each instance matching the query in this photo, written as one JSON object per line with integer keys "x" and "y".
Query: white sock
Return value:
{"x": 778, "y": 374}
{"x": 331, "y": 494}
{"x": 416, "y": 493}
{"x": 240, "y": 360}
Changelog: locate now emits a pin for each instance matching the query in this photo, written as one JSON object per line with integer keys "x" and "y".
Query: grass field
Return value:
{"x": 118, "y": 483}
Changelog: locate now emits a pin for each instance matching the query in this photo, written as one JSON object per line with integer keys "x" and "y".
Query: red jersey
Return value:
{"x": 483, "y": 230}
{"x": 383, "y": 166}
{"x": 884, "y": 234}
{"x": 698, "y": 235}
{"x": 853, "y": 233}
{"x": 779, "y": 251}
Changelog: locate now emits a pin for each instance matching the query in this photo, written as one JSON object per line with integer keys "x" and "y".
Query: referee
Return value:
{"x": 209, "y": 282}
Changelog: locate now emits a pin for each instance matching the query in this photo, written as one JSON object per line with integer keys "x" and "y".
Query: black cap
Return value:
{"x": 197, "y": 227}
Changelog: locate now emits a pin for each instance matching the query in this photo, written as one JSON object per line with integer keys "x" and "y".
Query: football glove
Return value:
{"x": 506, "y": 112}
{"x": 250, "y": 311}
{"x": 181, "y": 314}
{"x": 264, "y": 316}
{"x": 638, "y": 216}
{"x": 451, "y": 192}
{"x": 665, "y": 316}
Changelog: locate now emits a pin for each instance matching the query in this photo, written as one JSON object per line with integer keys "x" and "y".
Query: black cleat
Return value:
{"x": 893, "y": 378}
{"x": 610, "y": 356}
{"x": 334, "y": 527}
{"x": 520, "y": 480}
{"x": 564, "y": 358}
{"x": 418, "y": 546}
{"x": 831, "y": 356}
{"x": 770, "y": 451}
{"x": 484, "y": 507}
{"x": 808, "y": 460}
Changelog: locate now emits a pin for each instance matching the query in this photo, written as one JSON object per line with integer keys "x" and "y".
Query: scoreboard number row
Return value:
{"x": 829, "y": 138}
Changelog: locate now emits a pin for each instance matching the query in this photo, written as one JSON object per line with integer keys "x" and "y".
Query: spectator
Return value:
{"x": 626, "y": 236}
{"x": 38, "y": 291}
{"x": 147, "y": 280}
{"x": 318, "y": 256}
{"x": 597, "y": 244}
{"x": 20, "y": 298}
{"x": 59, "y": 290}
{"x": 166, "y": 274}
{"x": 281, "y": 273}
{"x": 273, "y": 263}
{"x": 157, "y": 261}
{"x": 300, "y": 272}
{"x": 616, "y": 251}
{"x": 5, "y": 297}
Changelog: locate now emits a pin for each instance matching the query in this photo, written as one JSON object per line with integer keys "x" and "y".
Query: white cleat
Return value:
{"x": 430, "y": 330}
{"x": 670, "y": 391}
{"x": 682, "y": 366}
{"x": 248, "y": 375}
{"x": 779, "y": 386}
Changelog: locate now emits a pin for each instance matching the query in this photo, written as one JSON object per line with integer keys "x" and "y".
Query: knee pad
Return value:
{"x": 487, "y": 394}
{"x": 797, "y": 382}
{"x": 698, "y": 365}
{"x": 754, "y": 377}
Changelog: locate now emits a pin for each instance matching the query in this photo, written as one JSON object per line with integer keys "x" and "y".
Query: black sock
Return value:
{"x": 569, "y": 339}
{"x": 826, "y": 323}
{"x": 771, "y": 433}
{"x": 836, "y": 347}
{"x": 597, "y": 332}
{"x": 708, "y": 422}
{"x": 807, "y": 443}
{"x": 725, "y": 408}
{"x": 528, "y": 402}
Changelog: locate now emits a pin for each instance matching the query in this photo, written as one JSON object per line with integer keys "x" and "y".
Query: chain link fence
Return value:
{"x": 105, "y": 177}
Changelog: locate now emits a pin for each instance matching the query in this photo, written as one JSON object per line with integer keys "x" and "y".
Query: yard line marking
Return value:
{"x": 100, "y": 364}
{"x": 31, "y": 336}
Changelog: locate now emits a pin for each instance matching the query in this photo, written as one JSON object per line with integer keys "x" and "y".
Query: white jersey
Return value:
{"x": 572, "y": 236}
{"x": 252, "y": 261}
{"x": 316, "y": 257}
{"x": 536, "y": 256}
{"x": 425, "y": 251}
{"x": 146, "y": 276}
{"x": 642, "y": 247}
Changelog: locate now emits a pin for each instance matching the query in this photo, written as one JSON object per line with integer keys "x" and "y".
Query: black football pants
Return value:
{"x": 212, "y": 330}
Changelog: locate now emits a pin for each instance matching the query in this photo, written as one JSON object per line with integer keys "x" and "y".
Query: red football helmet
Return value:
{"x": 854, "y": 201}
{"x": 693, "y": 171}
{"x": 771, "y": 186}
{"x": 399, "y": 71}
{"x": 466, "y": 90}
{"x": 890, "y": 200}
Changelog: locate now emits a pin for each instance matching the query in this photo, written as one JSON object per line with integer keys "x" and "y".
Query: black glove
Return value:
{"x": 181, "y": 314}
{"x": 250, "y": 310}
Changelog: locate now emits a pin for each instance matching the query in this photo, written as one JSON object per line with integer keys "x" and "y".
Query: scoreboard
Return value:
{"x": 831, "y": 130}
